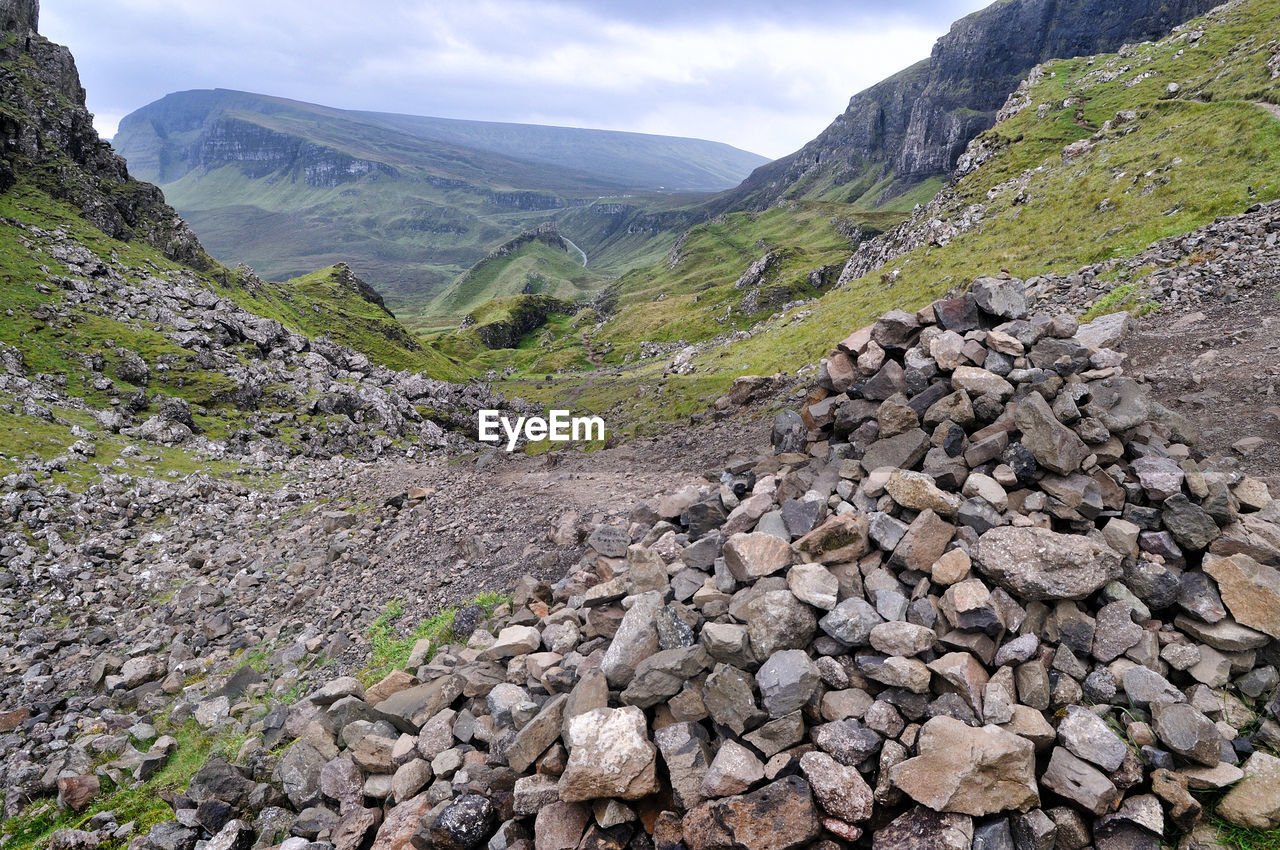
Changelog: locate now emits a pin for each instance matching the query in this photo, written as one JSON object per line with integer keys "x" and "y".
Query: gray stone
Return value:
{"x": 409, "y": 709}
{"x": 1036, "y": 563}
{"x": 1187, "y": 732}
{"x": 901, "y": 638}
{"x": 1188, "y": 523}
{"x": 610, "y": 541}
{"x": 1255, "y": 801}
{"x": 1086, "y": 735}
{"x": 1115, "y": 632}
{"x": 686, "y": 751}
{"x": 1144, "y": 687}
{"x": 1002, "y": 297}
{"x": 851, "y": 622}
{"x": 919, "y": 827}
{"x": 1119, "y": 403}
{"x": 1080, "y": 782}
{"x": 1055, "y": 446}
{"x": 1226, "y": 634}
{"x": 610, "y": 755}
{"x": 814, "y": 584}
{"x": 847, "y": 741}
{"x": 754, "y": 555}
{"x": 730, "y": 699}
{"x": 777, "y": 620}
{"x": 972, "y": 771}
{"x": 1034, "y": 830}
{"x": 902, "y": 452}
{"x": 1161, "y": 477}
{"x": 663, "y": 674}
{"x": 537, "y": 735}
{"x": 786, "y": 680}
{"x": 298, "y": 772}
{"x": 733, "y": 770}
{"x": 841, "y": 790}
{"x": 635, "y": 640}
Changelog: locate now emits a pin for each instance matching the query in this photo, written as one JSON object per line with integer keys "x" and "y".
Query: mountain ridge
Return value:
{"x": 651, "y": 166}
{"x": 410, "y": 202}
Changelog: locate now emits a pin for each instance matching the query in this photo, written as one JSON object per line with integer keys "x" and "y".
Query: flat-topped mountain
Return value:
{"x": 411, "y": 202}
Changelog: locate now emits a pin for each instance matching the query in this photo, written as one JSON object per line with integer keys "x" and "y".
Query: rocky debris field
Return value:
{"x": 983, "y": 593}
{"x": 1209, "y": 351}
{"x": 212, "y": 598}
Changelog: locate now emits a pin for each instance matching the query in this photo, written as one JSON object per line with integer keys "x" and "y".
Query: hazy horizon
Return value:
{"x": 761, "y": 76}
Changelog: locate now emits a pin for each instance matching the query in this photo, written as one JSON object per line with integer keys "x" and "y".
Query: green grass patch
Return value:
{"x": 1243, "y": 838}
{"x": 140, "y": 804}
{"x": 390, "y": 647}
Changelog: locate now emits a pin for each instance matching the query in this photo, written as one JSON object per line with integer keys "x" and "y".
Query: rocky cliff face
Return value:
{"x": 914, "y": 125}
{"x": 47, "y": 135}
{"x": 259, "y": 151}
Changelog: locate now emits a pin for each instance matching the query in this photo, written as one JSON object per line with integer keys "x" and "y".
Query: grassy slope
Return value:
{"x": 695, "y": 298}
{"x": 534, "y": 267}
{"x": 63, "y": 346}
{"x": 1180, "y": 165}
{"x": 142, "y": 805}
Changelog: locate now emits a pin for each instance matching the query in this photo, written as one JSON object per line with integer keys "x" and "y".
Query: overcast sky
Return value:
{"x": 763, "y": 76}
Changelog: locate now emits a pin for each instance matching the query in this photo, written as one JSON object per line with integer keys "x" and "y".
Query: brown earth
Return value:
{"x": 1220, "y": 367}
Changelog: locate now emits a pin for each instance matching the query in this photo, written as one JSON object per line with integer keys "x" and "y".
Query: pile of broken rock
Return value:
{"x": 984, "y": 594}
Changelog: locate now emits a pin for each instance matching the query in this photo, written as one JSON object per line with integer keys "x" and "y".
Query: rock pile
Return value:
{"x": 984, "y": 594}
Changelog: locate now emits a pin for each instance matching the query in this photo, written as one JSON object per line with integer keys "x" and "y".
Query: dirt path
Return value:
{"x": 1273, "y": 108}
{"x": 486, "y": 521}
{"x": 1223, "y": 374}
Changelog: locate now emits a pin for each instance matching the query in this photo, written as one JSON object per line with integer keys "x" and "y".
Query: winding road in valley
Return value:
{"x": 569, "y": 242}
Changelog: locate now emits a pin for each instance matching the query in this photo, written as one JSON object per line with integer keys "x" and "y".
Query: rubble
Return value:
{"x": 1058, "y": 655}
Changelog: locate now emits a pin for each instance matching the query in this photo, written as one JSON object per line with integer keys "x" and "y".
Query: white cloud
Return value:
{"x": 762, "y": 78}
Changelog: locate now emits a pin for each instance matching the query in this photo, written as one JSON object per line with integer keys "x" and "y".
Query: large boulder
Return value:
{"x": 779, "y": 816}
{"x": 1036, "y": 563}
{"x": 973, "y": 771}
{"x": 610, "y": 755}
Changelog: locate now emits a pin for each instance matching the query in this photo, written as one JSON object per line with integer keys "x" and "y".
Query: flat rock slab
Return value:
{"x": 1255, "y": 801}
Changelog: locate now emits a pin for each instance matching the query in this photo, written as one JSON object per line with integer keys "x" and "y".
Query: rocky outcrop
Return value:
{"x": 47, "y": 137}
{"x": 915, "y": 124}
{"x": 523, "y": 314}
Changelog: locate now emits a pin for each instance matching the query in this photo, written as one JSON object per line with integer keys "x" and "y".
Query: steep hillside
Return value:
{"x": 47, "y": 139}
{"x": 127, "y": 349}
{"x": 410, "y": 202}
{"x": 1094, "y": 159}
{"x": 899, "y": 138}
{"x": 336, "y": 304}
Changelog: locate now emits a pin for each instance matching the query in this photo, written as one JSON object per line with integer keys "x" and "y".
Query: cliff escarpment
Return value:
{"x": 913, "y": 126}
{"x": 47, "y": 135}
